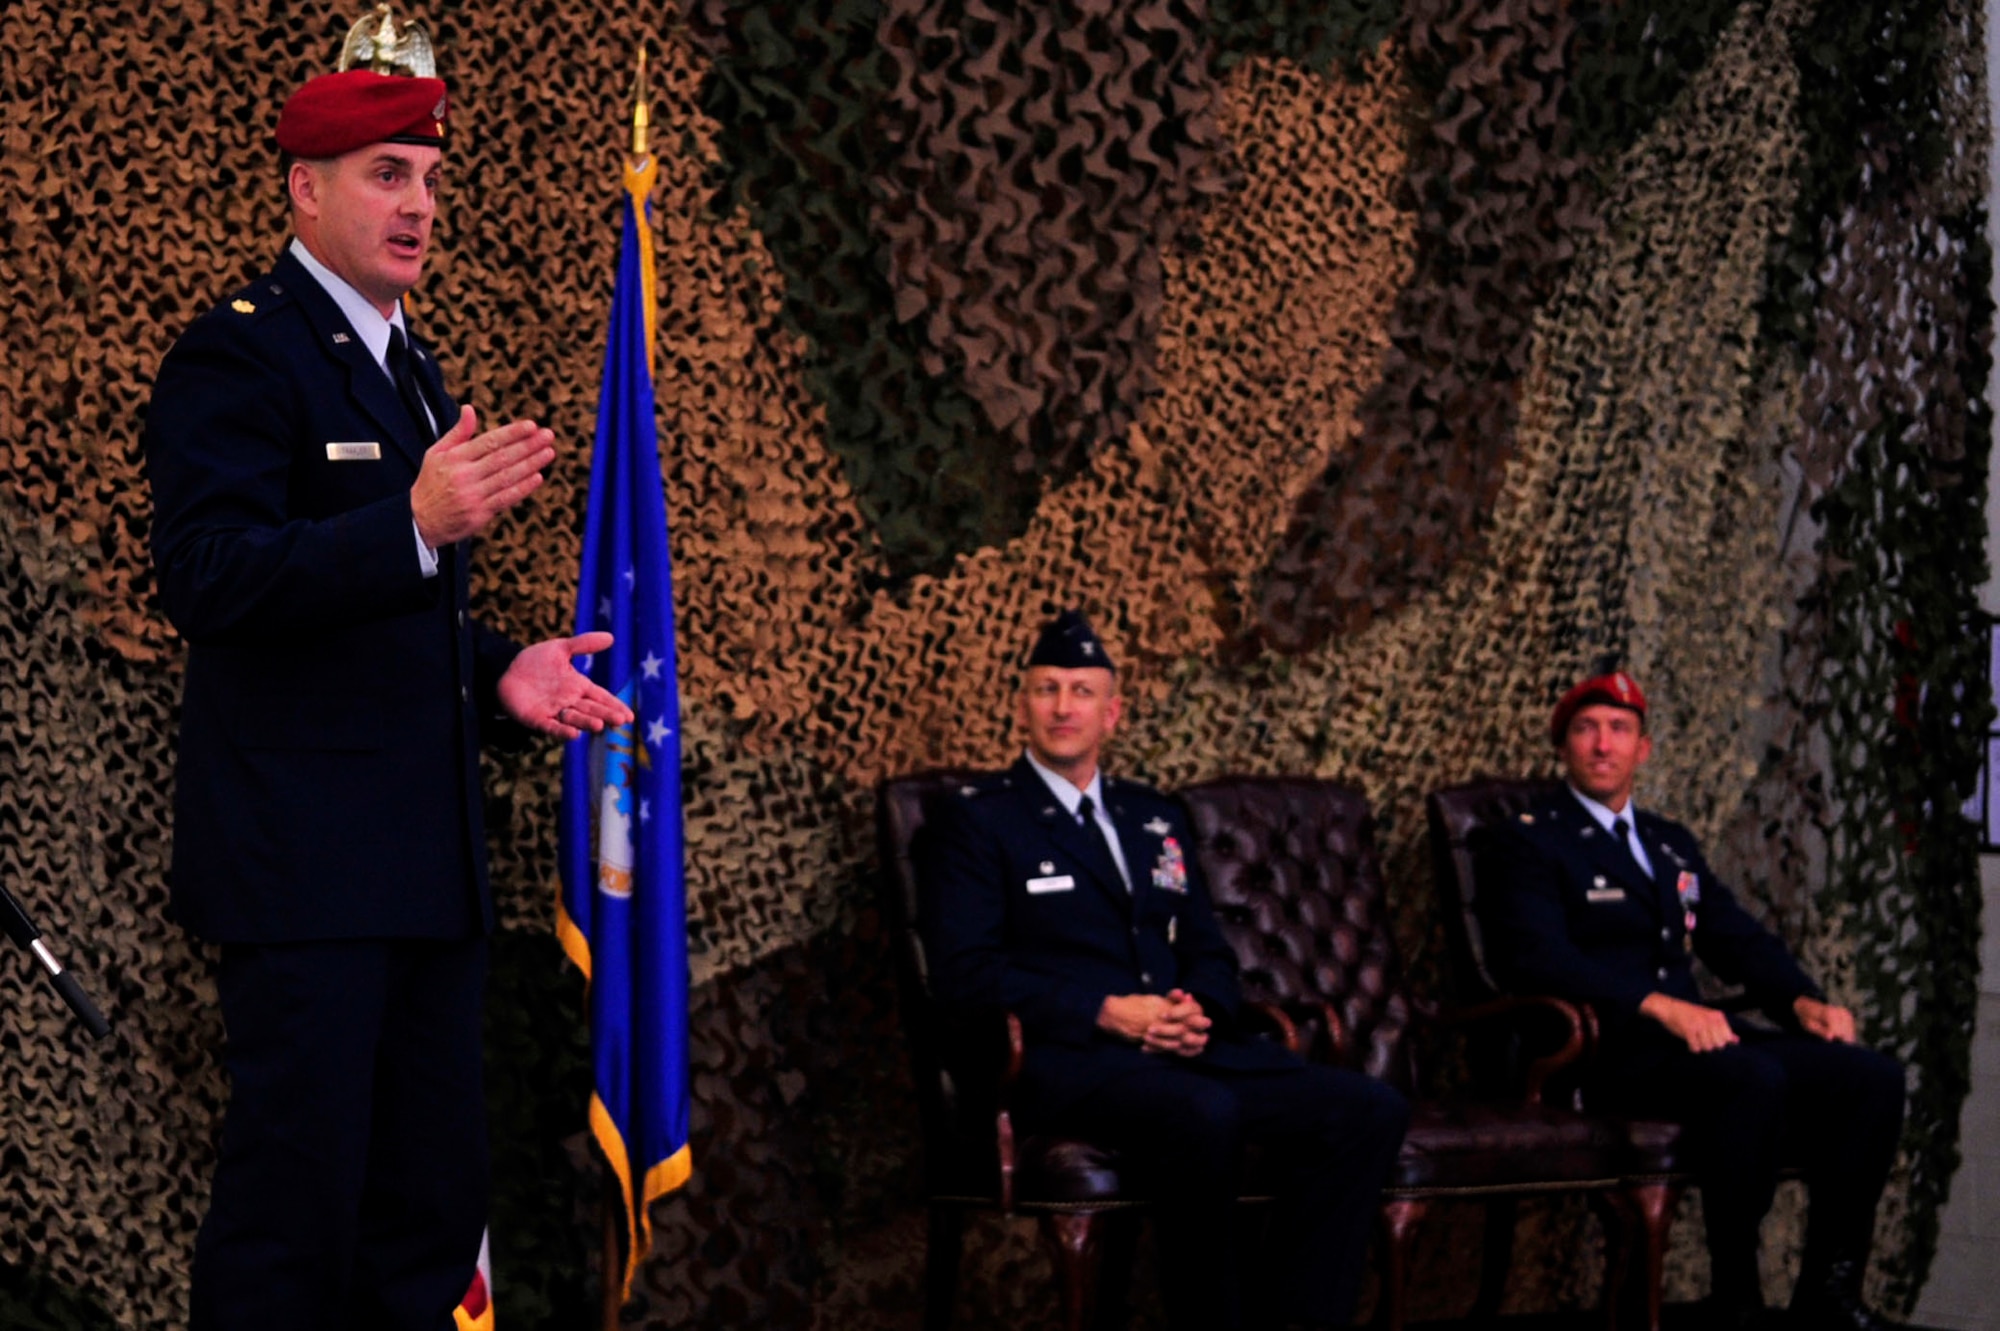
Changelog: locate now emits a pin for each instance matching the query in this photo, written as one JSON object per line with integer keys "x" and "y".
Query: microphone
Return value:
{"x": 22, "y": 930}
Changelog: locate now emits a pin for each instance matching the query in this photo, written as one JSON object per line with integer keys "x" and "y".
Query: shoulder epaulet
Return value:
{"x": 256, "y": 298}
{"x": 1547, "y": 815}
{"x": 983, "y": 784}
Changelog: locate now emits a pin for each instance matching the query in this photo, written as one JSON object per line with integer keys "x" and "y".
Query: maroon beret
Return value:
{"x": 1616, "y": 689}
{"x": 337, "y": 113}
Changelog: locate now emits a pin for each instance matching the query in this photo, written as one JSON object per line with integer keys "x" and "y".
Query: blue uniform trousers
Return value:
{"x": 352, "y": 1185}
{"x": 1325, "y": 1137}
{"x": 1833, "y": 1110}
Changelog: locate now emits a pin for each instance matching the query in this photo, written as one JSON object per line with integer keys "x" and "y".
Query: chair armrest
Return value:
{"x": 1276, "y": 1021}
{"x": 1576, "y": 1031}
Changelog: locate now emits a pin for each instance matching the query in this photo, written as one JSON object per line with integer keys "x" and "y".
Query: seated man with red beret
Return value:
{"x": 1589, "y": 897}
{"x": 314, "y": 486}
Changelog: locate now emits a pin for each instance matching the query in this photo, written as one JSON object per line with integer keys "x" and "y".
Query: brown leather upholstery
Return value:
{"x": 1454, "y": 814}
{"x": 1293, "y": 868}
{"x": 1297, "y": 888}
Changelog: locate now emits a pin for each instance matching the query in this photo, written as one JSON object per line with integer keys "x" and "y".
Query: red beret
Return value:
{"x": 1616, "y": 689}
{"x": 337, "y": 113}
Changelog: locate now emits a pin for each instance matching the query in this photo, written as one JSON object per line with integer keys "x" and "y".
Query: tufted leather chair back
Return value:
{"x": 1297, "y": 885}
{"x": 903, "y": 806}
{"x": 1456, "y": 814}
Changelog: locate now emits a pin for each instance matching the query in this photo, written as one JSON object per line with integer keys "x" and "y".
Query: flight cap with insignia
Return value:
{"x": 1610, "y": 687}
{"x": 386, "y": 90}
{"x": 1069, "y": 643}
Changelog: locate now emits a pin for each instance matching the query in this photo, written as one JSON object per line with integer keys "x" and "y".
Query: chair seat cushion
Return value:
{"x": 1474, "y": 1145}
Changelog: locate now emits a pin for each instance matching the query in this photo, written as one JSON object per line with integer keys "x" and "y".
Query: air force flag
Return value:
{"x": 623, "y": 911}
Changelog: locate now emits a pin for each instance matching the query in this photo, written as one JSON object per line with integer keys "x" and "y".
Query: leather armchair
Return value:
{"x": 1653, "y": 1180}
{"x": 964, "y": 1070}
{"x": 1293, "y": 868}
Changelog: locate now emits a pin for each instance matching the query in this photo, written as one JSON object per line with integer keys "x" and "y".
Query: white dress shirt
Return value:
{"x": 373, "y": 330}
{"x": 1070, "y": 798}
{"x": 1605, "y": 817}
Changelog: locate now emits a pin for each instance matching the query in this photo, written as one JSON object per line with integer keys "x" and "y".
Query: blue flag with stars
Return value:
{"x": 623, "y": 916}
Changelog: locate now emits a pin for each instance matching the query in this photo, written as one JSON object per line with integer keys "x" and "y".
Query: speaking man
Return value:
{"x": 1067, "y": 897}
{"x": 1589, "y": 897}
{"x": 315, "y": 487}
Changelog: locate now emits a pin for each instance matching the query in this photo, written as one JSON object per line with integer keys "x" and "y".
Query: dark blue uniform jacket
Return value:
{"x": 1024, "y": 911}
{"x": 327, "y": 784}
{"x": 1567, "y": 911}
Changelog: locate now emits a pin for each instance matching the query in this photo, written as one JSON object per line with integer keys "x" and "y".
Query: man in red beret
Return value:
{"x": 315, "y": 487}
{"x": 1588, "y": 897}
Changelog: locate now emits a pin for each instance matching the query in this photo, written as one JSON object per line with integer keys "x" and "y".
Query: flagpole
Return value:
{"x": 614, "y": 1194}
{"x": 614, "y": 1223}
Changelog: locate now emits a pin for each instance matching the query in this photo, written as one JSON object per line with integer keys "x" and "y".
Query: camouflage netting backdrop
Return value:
{"x": 1365, "y": 370}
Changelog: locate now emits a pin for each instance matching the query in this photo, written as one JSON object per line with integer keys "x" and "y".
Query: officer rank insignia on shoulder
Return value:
{"x": 1527, "y": 818}
{"x": 242, "y": 306}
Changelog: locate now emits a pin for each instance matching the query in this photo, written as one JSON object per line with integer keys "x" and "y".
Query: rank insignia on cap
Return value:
{"x": 1068, "y": 642}
{"x": 242, "y": 307}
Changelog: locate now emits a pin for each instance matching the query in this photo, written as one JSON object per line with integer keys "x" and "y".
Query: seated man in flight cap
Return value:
{"x": 314, "y": 486}
{"x": 1589, "y": 897}
{"x": 1066, "y": 896}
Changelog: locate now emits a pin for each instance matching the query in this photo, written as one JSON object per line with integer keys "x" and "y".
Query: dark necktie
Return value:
{"x": 407, "y": 388}
{"x": 1619, "y": 829}
{"x": 1095, "y": 831}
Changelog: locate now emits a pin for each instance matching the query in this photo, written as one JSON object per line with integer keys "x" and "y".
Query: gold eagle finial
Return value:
{"x": 377, "y": 42}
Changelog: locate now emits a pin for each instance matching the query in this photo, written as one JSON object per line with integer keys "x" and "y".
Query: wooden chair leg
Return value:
{"x": 1075, "y": 1239}
{"x": 1400, "y": 1217}
{"x": 1496, "y": 1255}
{"x": 1118, "y": 1252}
{"x": 1653, "y": 1202}
{"x": 1621, "y": 1240}
{"x": 942, "y": 1248}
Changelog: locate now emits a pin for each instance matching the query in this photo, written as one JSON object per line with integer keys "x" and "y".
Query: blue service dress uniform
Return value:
{"x": 327, "y": 820}
{"x": 1569, "y": 911}
{"x": 1025, "y": 911}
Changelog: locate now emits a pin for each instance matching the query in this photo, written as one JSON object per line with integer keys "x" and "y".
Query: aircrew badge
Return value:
{"x": 1170, "y": 871}
{"x": 1158, "y": 827}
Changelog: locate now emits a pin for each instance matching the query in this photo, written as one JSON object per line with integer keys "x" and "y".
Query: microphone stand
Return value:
{"x": 26, "y": 936}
